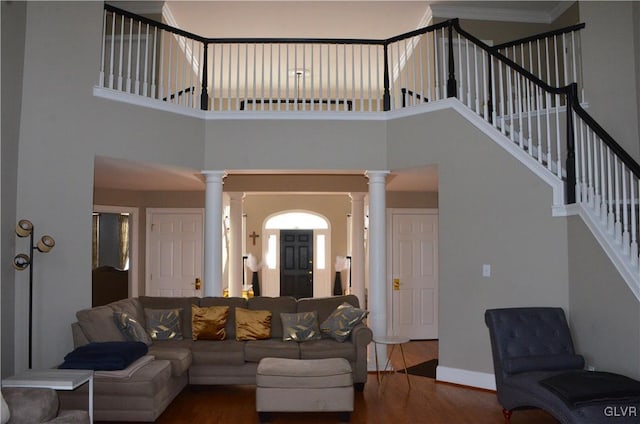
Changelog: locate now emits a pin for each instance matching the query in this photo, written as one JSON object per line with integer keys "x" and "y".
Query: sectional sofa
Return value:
{"x": 144, "y": 394}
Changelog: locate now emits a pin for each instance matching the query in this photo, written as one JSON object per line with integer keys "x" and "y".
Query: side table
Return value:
{"x": 57, "y": 379}
{"x": 393, "y": 341}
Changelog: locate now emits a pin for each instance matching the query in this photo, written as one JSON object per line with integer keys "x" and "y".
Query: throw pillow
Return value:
{"x": 252, "y": 325}
{"x": 300, "y": 327}
{"x": 164, "y": 324}
{"x": 339, "y": 324}
{"x": 208, "y": 323}
{"x": 131, "y": 329}
{"x": 4, "y": 410}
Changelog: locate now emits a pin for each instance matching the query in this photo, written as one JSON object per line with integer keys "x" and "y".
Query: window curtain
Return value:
{"x": 123, "y": 220}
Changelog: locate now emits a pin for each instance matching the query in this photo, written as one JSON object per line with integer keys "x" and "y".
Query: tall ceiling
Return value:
{"x": 305, "y": 19}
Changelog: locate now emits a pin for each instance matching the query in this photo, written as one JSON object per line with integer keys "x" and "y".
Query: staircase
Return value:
{"x": 525, "y": 93}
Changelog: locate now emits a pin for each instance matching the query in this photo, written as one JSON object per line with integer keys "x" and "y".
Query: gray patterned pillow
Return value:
{"x": 164, "y": 324}
{"x": 131, "y": 329}
{"x": 300, "y": 327}
{"x": 339, "y": 324}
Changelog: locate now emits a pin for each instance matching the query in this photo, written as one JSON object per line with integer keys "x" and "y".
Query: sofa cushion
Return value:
{"x": 183, "y": 303}
{"x": 225, "y": 352}
{"x": 98, "y": 325}
{"x": 277, "y": 305}
{"x": 131, "y": 329}
{"x": 232, "y": 303}
{"x": 253, "y": 325}
{"x": 208, "y": 323}
{"x": 300, "y": 327}
{"x": 325, "y": 305}
{"x": 328, "y": 348}
{"x": 104, "y": 356}
{"x": 255, "y": 350}
{"x": 164, "y": 324}
{"x": 146, "y": 382}
{"x": 339, "y": 324}
{"x": 179, "y": 357}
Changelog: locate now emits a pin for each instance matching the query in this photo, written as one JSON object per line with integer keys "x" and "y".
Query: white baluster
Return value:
{"x": 337, "y": 78}
{"x": 246, "y": 75}
{"x": 625, "y": 212}
{"x": 445, "y": 63}
{"x": 591, "y": 190}
{"x": 154, "y": 64}
{"x": 597, "y": 164}
{"x": 605, "y": 189}
{"x": 477, "y": 86}
{"x": 422, "y": 90}
{"x": 633, "y": 252}
{"x": 436, "y": 59}
{"x": 128, "y": 85}
{"x": 344, "y": 70}
{"x": 610, "y": 216}
{"x": 485, "y": 88}
{"x": 494, "y": 104}
{"x": 262, "y": 96}
{"x": 320, "y": 77}
{"x": 519, "y": 105}
{"x": 429, "y": 81}
{"x": 169, "y": 62}
{"x": 581, "y": 171}
{"x": 369, "y": 77}
{"x": 502, "y": 98}
{"x": 102, "y": 52}
{"x": 145, "y": 73}
{"x": 212, "y": 90}
{"x": 255, "y": 75}
{"x": 237, "y": 93}
{"x": 137, "y": 81}
{"x": 271, "y": 76}
{"x": 510, "y": 102}
{"x": 229, "y": 78}
{"x": 466, "y": 43}
{"x": 460, "y": 72}
{"x": 618, "y": 222}
{"x": 121, "y": 54}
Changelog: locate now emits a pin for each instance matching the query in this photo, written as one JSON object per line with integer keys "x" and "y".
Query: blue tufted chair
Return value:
{"x": 536, "y": 367}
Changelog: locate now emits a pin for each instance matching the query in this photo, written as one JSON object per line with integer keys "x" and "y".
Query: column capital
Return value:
{"x": 235, "y": 195}
{"x": 214, "y": 176}
{"x": 376, "y": 175}
{"x": 357, "y": 196}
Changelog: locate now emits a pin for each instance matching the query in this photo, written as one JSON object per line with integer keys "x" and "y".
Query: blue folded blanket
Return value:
{"x": 105, "y": 356}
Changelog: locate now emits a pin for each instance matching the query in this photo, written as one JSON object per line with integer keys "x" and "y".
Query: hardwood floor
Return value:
{"x": 426, "y": 402}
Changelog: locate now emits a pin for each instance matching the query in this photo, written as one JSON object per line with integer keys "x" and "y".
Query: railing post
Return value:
{"x": 204, "y": 96}
{"x": 451, "y": 81}
{"x": 490, "y": 89}
{"x": 386, "y": 96}
{"x": 570, "y": 164}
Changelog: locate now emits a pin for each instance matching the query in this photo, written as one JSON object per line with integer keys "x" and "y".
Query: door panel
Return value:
{"x": 415, "y": 265}
{"x": 174, "y": 243}
{"x": 296, "y": 263}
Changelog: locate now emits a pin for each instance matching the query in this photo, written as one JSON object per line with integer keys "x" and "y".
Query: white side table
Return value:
{"x": 393, "y": 341}
{"x": 57, "y": 379}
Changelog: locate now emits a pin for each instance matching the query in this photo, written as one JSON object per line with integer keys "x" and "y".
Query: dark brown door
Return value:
{"x": 296, "y": 263}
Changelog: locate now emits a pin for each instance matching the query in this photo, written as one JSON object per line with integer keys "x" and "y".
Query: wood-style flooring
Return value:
{"x": 426, "y": 402}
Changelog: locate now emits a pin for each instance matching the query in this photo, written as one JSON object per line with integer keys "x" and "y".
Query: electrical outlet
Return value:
{"x": 486, "y": 270}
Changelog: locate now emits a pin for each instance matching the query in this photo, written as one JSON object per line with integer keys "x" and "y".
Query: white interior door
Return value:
{"x": 174, "y": 252}
{"x": 414, "y": 235}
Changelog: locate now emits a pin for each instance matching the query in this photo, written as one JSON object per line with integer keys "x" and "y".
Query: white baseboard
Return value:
{"x": 477, "y": 379}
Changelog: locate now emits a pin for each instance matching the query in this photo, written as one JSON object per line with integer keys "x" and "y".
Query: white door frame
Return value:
{"x": 391, "y": 327}
{"x": 151, "y": 211}
{"x": 134, "y": 213}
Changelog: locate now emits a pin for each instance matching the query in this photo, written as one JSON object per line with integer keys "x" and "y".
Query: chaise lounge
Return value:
{"x": 536, "y": 367}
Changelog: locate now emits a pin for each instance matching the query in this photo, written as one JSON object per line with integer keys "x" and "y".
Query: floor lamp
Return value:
{"x": 22, "y": 261}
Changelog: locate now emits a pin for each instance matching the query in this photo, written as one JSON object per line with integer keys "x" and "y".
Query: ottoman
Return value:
{"x": 304, "y": 385}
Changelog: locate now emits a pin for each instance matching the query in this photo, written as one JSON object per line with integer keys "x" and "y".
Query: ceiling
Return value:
{"x": 328, "y": 19}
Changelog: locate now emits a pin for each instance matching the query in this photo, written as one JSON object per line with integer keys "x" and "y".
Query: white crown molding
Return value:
{"x": 450, "y": 11}
{"x": 140, "y": 7}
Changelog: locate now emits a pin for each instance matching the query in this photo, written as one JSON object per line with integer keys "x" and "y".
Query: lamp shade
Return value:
{"x": 46, "y": 243}
{"x": 24, "y": 228}
{"x": 21, "y": 261}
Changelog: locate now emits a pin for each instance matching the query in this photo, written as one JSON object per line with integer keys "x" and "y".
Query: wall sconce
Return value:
{"x": 22, "y": 261}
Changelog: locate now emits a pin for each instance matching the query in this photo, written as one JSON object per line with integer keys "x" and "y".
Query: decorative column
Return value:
{"x": 378, "y": 257}
{"x": 235, "y": 244}
{"x": 357, "y": 246}
{"x": 213, "y": 233}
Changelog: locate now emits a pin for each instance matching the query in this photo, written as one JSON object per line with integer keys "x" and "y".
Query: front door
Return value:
{"x": 415, "y": 273}
{"x": 296, "y": 263}
{"x": 174, "y": 252}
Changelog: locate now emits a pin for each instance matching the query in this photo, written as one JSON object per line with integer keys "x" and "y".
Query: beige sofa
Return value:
{"x": 145, "y": 394}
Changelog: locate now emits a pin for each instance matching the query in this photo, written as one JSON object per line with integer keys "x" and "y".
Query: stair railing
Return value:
{"x": 554, "y": 56}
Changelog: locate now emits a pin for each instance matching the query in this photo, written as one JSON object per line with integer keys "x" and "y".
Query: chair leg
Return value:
{"x": 507, "y": 415}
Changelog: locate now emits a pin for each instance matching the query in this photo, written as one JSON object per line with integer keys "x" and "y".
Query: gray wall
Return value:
{"x": 13, "y": 33}
{"x": 492, "y": 210}
{"x": 604, "y": 313}
{"x": 609, "y": 54}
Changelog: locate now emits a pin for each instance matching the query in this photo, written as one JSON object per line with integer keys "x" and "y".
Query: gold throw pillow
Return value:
{"x": 252, "y": 325}
{"x": 208, "y": 323}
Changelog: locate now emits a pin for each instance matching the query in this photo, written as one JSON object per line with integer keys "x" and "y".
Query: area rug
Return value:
{"x": 424, "y": 369}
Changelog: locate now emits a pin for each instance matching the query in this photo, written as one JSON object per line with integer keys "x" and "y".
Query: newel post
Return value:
{"x": 572, "y": 95}
{"x": 386, "y": 96}
{"x": 451, "y": 81}
{"x": 204, "y": 97}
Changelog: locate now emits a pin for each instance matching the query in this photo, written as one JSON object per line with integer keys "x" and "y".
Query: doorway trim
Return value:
{"x": 134, "y": 213}
{"x": 391, "y": 327}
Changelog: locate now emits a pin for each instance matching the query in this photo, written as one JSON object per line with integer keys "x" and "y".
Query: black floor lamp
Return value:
{"x": 22, "y": 261}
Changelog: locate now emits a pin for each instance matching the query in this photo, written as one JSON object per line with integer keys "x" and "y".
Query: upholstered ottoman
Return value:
{"x": 304, "y": 385}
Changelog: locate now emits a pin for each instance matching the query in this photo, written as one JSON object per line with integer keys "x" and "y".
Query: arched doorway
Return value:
{"x": 296, "y": 246}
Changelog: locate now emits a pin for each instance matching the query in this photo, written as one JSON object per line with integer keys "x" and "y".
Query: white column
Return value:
{"x": 213, "y": 233}
{"x": 357, "y": 246}
{"x": 235, "y": 244}
{"x": 378, "y": 257}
